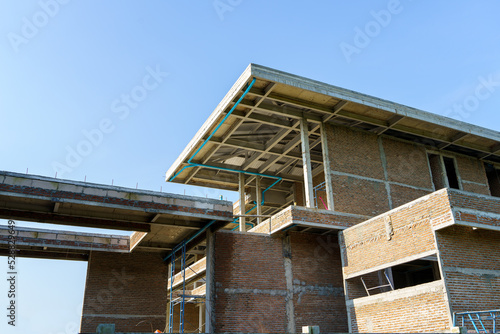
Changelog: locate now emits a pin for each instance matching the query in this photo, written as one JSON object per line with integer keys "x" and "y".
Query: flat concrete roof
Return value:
{"x": 161, "y": 220}
{"x": 262, "y": 133}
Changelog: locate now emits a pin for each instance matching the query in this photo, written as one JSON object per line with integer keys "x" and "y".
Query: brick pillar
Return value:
{"x": 128, "y": 290}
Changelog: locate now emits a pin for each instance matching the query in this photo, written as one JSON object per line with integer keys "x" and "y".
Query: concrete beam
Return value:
{"x": 52, "y": 218}
{"x": 30, "y": 237}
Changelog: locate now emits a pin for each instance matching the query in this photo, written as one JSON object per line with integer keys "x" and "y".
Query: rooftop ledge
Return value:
{"x": 309, "y": 218}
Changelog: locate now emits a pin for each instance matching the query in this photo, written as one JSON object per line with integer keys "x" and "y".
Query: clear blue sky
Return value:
{"x": 64, "y": 69}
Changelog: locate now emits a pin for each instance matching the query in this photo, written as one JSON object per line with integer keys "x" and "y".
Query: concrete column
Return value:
{"x": 289, "y": 306}
{"x": 306, "y": 160}
{"x": 200, "y": 317}
{"x": 241, "y": 189}
{"x": 210, "y": 283}
{"x": 326, "y": 166}
{"x": 258, "y": 199}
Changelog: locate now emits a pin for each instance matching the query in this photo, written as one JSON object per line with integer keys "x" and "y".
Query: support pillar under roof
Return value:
{"x": 258, "y": 199}
{"x": 326, "y": 165}
{"x": 306, "y": 161}
{"x": 241, "y": 189}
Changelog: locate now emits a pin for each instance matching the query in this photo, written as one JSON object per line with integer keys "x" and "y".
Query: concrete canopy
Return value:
{"x": 159, "y": 220}
{"x": 262, "y": 134}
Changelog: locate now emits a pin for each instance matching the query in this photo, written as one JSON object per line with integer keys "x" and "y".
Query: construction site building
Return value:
{"x": 355, "y": 214}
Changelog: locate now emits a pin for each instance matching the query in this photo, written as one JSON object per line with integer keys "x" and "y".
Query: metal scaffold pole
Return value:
{"x": 171, "y": 306}
{"x": 183, "y": 297}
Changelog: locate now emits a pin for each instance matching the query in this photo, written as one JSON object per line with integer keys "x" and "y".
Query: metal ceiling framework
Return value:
{"x": 262, "y": 134}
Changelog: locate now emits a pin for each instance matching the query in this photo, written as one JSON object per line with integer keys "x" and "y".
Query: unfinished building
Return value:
{"x": 362, "y": 215}
{"x": 355, "y": 214}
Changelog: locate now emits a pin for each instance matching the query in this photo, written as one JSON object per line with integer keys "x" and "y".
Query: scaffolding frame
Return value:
{"x": 480, "y": 320}
{"x": 183, "y": 298}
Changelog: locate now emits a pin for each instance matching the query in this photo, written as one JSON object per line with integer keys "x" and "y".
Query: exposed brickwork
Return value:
{"x": 280, "y": 219}
{"x": 66, "y": 240}
{"x": 471, "y": 263}
{"x": 476, "y": 188}
{"x": 125, "y": 284}
{"x": 318, "y": 281}
{"x": 307, "y": 217}
{"x": 318, "y": 216}
{"x": 401, "y": 195}
{"x": 406, "y": 163}
{"x": 359, "y": 196}
{"x": 472, "y": 170}
{"x": 407, "y": 172}
{"x": 476, "y": 202}
{"x": 409, "y": 223}
{"x": 251, "y": 290}
{"x": 350, "y": 150}
{"x": 409, "y": 310}
{"x": 244, "y": 263}
{"x": 481, "y": 219}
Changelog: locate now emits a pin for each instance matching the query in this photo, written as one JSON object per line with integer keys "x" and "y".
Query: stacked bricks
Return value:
{"x": 254, "y": 292}
{"x": 398, "y": 236}
{"x": 250, "y": 284}
{"x": 358, "y": 186}
{"x": 472, "y": 175}
{"x": 470, "y": 263}
{"x": 372, "y": 174}
{"x": 317, "y": 282}
{"x": 125, "y": 289}
{"x": 421, "y": 309}
{"x": 411, "y": 234}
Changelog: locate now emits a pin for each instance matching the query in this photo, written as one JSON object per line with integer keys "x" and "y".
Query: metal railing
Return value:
{"x": 481, "y": 321}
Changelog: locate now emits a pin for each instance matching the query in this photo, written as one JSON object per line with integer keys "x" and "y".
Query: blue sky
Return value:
{"x": 65, "y": 67}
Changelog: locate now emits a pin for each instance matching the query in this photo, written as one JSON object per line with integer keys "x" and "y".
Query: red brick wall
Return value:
{"x": 476, "y": 202}
{"x": 305, "y": 216}
{"x": 407, "y": 163}
{"x": 376, "y": 165}
{"x": 355, "y": 152}
{"x": 412, "y": 234}
{"x": 318, "y": 216}
{"x": 471, "y": 265}
{"x": 359, "y": 196}
{"x": 317, "y": 276}
{"x": 278, "y": 220}
{"x": 410, "y": 310}
{"x": 246, "y": 264}
{"x": 402, "y": 195}
{"x": 472, "y": 170}
{"x": 251, "y": 286}
{"x": 125, "y": 285}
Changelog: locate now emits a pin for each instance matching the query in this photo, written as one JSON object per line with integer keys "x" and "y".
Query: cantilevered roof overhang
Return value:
{"x": 160, "y": 220}
{"x": 262, "y": 133}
